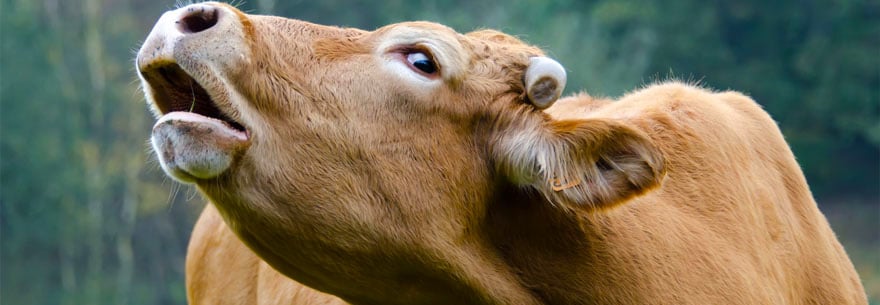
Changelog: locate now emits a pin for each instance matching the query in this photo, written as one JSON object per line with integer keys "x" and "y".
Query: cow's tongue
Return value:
{"x": 192, "y": 146}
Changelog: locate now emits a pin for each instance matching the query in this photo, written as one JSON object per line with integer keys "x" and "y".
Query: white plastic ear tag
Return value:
{"x": 545, "y": 80}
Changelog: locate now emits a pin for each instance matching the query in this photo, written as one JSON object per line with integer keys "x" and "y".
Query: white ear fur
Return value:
{"x": 586, "y": 164}
{"x": 545, "y": 79}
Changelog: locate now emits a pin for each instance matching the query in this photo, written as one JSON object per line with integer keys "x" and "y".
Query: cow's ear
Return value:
{"x": 584, "y": 164}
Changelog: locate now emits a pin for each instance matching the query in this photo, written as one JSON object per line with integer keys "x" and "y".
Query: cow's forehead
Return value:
{"x": 421, "y": 26}
{"x": 478, "y": 55}
{"x": 479, "y": 40}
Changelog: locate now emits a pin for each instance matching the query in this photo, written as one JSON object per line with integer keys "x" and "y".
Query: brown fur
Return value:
{"x": 365, "y": 182}
{"x": 223, "y": 271}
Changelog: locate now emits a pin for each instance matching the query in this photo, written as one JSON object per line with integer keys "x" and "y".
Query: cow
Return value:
{"x": 417, "y": 165}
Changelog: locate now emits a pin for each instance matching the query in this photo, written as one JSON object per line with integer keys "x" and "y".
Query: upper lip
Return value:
{"x": 173, "y": 89}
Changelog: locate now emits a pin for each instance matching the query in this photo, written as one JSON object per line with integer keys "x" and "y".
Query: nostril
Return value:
{"x": 197, "y": 19}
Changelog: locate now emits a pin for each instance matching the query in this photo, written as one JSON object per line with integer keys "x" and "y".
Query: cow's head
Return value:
{"x": 321, "y": 144}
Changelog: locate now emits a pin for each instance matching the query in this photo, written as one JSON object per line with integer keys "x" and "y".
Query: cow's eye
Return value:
{"x": 422, "y": 62}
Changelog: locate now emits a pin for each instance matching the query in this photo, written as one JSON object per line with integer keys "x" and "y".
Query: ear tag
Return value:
{"x": 544, "y": 80}
{"x": 558, "y": 185}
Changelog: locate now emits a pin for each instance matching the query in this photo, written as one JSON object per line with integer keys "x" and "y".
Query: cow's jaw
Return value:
{"x": 196, "y": 136}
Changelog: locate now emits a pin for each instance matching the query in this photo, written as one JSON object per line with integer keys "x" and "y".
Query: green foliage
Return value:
{"x": 74, "y": 164}
{"x": 87, "y": 218}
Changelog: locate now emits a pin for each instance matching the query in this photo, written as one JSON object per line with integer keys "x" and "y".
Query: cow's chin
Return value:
{"x": 192, "y": 147}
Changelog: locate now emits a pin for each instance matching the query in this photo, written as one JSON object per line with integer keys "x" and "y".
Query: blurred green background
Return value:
{"x": 87, "y": 217}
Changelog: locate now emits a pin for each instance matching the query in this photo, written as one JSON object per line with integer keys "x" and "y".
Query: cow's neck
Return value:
{"x": 415, "y": 267}
{"x": 538, "y": 240}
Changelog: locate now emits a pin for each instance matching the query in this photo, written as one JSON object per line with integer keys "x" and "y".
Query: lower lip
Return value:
{"x": 200, "y": 119}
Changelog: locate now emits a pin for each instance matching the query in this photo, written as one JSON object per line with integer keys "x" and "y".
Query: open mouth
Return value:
{"x": 176, "y": 91}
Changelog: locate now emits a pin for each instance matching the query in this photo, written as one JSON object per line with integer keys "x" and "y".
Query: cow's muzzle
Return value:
{"x": 182, "y": 65}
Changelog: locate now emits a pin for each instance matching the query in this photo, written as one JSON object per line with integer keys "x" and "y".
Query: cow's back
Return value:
{"x": 733, "y": 222}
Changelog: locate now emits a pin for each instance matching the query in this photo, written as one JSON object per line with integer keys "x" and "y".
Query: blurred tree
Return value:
{"x": 74, "y": 161}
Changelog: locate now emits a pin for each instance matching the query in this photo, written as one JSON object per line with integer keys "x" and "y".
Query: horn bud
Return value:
{"x": 544, "y": 80}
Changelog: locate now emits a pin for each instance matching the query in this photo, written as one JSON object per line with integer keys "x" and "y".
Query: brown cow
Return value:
{"x": 416, "y": 165}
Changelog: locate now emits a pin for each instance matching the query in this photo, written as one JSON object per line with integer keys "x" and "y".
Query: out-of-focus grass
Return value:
{"x": 857, "y": 225}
